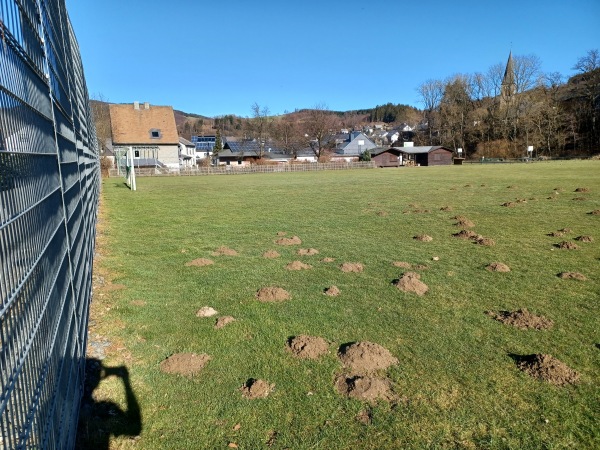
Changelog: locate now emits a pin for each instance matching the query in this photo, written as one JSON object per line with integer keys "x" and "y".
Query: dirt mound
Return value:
{"x": 565, "y": 230}
{"x": 584, "y": 239}
{"x": 410, "y": 282}
{"x": 365, "y": 416}
{"x": 253, "y": 389}
{"x": 224, "y": 251}
{"x": 369, "y": 389}
{"x": 423, "y": 238}
{"x": 309, "y": 347}
{"x": 328, "y": 260}
{"x": 222, "y": 321}
{"x": 566, "y": 245}
{"x": 200, "y": 262}
{"x": 295, "y": 240}
{"x": 366, "y": 357}
{"x": 556, "y": 234}
{"x": 352, "y": 267}
{"x": 271, "y": 254}
{"x": 298, "y": 265}
{"x": 582, "y": 189}
{"x": 465, "y": 234}
{"x": 485, "y": 241}
{"x": 522, "y": 319}
{"x": 206, "y": 311}
{"x": 332, "y": 291}
{"x": 446, "y": 208}
{"x": 308, "y": 251}
{"x": 509, "y": 204}
{"x": 272, "y": 294}
{"x": 465, "y": 223}
{"x": 547, "y": 368}
{"x": 402, "y": 264}
{"x": 572, "y": 276}
{"x": 595, "y": 212}
{"x": 186, "y": 364}
{"x": 498, "y": 267}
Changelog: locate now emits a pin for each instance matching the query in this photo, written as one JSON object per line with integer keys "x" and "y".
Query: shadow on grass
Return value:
{"x": 101, "y": 420}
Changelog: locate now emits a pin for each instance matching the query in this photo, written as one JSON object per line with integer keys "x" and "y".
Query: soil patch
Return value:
{"x": 200, "y": 262}
{"x": 332, "y": 291}
{"x": 595, "y": 212}
{"x": 224, "y": 251}
{"x": 295, "y": 240}
{"x": 498, "y": 267}
{"x": 582, "y": 189}
{"x": 272, "y": 294}
{"x": 547, "y": 368}
{"x": 572, "y": 276}
{"x": 446, "y": 208}
{"x": 584, "y": 239}
{"x": 465, "y": 223}
{"x": 402, "y": 264}
{"x": 366, "y": 388}
{"x": 298, "y": 265}
{"x": 253, "y": 389}
{"x": 410, "y": 282}
{"x": 522, "y": 319}
{"x": 485, "y": 241}
{"x": 328, "y": 260}
{"x": 423, "y": 238}
{"x": 509, "y": 204}
{"x": 206, "y": 311}
{"x": 556, "y": 234}
{"x": 465, "y": 234}
{"x": 566, "y": 245}
{"x": 186, "y": 364}
{"x": 271, "y": 254}
{"x": 308, "y": 251}
{"x": 366, "y": 357}
{"x": 222, "y": 321}
{"x": 565, "y": 230}
{"x": 352, "y": 267}
{"x": 365, "y": 417}
{"x": 281, "y": 233}
{"x": 308, "y": 347}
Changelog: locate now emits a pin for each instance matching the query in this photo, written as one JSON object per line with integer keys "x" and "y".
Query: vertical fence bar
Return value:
{"x": 49, "y": 189}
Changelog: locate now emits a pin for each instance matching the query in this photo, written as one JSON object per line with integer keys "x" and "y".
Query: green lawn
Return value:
{"x": 457, "y": 381}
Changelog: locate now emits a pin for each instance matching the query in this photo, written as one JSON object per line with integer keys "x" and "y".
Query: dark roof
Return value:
{"x": 379, "y": 150}
{"x": 422, "y": 149}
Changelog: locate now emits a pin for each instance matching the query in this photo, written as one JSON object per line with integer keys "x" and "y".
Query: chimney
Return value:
{"x": 146, "y": 105}
{"x": 136, "y": 105}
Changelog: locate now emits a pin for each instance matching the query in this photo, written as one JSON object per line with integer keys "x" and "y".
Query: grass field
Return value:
{"x": 457, "y": 384}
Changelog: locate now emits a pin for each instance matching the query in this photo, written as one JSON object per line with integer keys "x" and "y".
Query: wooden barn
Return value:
{"x": 426, "y": 156}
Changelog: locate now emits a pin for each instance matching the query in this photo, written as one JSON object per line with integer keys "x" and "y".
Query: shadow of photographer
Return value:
{"x": 101, "y": 420}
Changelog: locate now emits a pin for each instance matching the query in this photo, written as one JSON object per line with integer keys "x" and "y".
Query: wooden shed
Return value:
{"x": 426, "y": 156}
{"x": 389, "y": 157}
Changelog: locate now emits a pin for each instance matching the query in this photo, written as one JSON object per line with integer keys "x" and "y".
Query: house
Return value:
{"x": 425, "y": 156}
{"x": 204, "y": 145}
{"x": 150, "y": 130}
{"x": 246, "y": 152}
{"x": 353, "y": 147}
{"x": 187, "y": 153}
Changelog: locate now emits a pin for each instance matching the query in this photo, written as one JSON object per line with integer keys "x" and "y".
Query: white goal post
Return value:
{"x": 125, "y": 166}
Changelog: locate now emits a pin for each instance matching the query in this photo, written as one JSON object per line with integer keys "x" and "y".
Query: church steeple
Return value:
{"x": 508, "y": 87}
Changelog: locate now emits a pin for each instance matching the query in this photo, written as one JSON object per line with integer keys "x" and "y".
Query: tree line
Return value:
{"x": 468, "y": 111}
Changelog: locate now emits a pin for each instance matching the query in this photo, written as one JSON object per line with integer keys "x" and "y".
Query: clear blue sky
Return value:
{"x": 219, "y": 57}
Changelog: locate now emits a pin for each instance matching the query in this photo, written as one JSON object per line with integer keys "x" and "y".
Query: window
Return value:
{"x": 155, "y": 133}
{"x": 136, "y": 154}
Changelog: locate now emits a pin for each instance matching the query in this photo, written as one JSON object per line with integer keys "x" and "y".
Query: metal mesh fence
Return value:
{"x": 49, "y": 187}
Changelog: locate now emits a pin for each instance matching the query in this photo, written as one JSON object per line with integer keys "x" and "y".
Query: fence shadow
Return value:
{"x": 101, "y": 420}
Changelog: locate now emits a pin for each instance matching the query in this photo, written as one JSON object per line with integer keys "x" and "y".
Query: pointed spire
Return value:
{"x": 508, "y": 88}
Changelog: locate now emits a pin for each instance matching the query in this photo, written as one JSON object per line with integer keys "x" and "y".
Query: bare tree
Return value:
{"x": 527, "y": 72}
{"x": 99, "y": 105}
{"x": 288, "y": 136}
{"x": 431, "y": 93}
{"x": 589, "y": 62}
{"x": 320, "y": 124}
{"x": 259, "y": 126}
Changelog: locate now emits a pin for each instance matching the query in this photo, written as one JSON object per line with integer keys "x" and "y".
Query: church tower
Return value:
{"x": 508, "y": 88}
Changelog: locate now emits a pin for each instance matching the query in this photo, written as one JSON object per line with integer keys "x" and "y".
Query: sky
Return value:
{"x": 214, "y": 57}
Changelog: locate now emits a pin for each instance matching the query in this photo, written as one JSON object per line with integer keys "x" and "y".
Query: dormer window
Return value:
{"x": 155, "y": 133}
